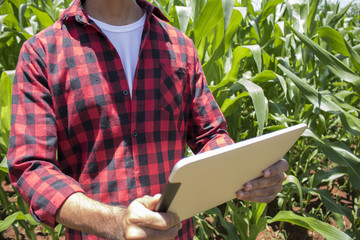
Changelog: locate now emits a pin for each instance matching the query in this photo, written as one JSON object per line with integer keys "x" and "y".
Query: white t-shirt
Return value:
{"x": 126, "y": 39}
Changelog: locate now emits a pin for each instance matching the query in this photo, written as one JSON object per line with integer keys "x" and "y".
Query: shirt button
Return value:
{"x": 113, "y": 52}
{"x": 135, "y": 133}
{"x": 125, "y": 92}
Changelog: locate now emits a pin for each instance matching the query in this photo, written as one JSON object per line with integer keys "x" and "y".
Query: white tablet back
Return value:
{"x": 206, "y": 180}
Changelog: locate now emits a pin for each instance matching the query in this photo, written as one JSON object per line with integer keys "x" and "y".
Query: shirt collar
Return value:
{"x": 76, "y": 10}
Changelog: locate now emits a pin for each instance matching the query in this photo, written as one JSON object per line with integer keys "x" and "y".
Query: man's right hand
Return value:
{"x": 137, "y": 221}
{"x": 142, "y": 222}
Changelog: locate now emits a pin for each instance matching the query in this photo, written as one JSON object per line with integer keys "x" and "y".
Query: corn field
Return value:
{"x": 285, "y": 63}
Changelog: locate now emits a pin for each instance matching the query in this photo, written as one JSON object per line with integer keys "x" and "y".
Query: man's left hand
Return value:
{"x": 265, "y": 188}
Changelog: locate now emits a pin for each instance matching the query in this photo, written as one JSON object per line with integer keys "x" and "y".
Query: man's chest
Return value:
{"x": 91, "y": 94}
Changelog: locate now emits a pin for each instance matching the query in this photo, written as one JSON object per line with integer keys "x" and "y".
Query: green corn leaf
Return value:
{"x": 163, "y": 7}
{"x": 279, "y": 34}
{"x": 225, "y": 44}
{"x": 239, "y": 53}
{"x": 50, "y": 8}
{"x": 232, "y": 234}
{"x": 344, "y": 151}
{"x": 256, "y": 30}
{"x": 5, "y": 109}
{"x": 268, "y": 75}
{"x": 183, "y": 14}
{"x": 282, "y": 119}
{"x": 337, "y": 17}
{"x": 229, "y": 105}
{"x": 269, "y": 9}
{"x": 357, "y": 48}
{"x": 196, "y": 7}
{"x": 11, "y": 22}
{"x": 22, "y": 9}
{"x": 232, "y": 28}
{"x": 3, "y": 165}
{"x": 292, "y": 179}
{"x": 354, "y": 56}
{"x": 338, "y": 157}
{"x": 340, "y": 101}
{"x": 59, "y": 229}
{"x": 9, "y": 220}
{"x": 326, "y": 230}
{"x": 335, "y": 65}
{"x": 351, "y": 123}
{"x": 4, "y": 201}
{"x": 256, "y": 52}
{"x": 240, "y": 224}
{"x": 210, "y": 16}
{"x": 264, "y": 76}
{"x": 228, "y": 6}
{"x": 331, "y": 205}
{"x": 30, "y": 219}
{"x": 256, "y": 229}
{"x": 259, "y": 100}
{"x": 249, "y": 7}
{"x": 258, "y": 212}
{"x": 242, "y": 10}
{"x": 344, "y": 94}
{"x": 340, "y": 221}
{"x": 328, "y": 176}
{"x": 43, "y": 17}
{"x": 336, "y": 40}
{"x": 222, "y": 84}
{"x": 2, "y": 18}
{"x": 311, "y": 23}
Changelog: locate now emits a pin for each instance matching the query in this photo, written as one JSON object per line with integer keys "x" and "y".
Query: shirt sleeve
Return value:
{"x": 207, "y": 127}
{"x": 33, "y": 167}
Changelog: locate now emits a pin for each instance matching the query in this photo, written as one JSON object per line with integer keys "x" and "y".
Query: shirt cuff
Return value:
{"x": 45, "y": 208}
{"x": 217, "y": 142}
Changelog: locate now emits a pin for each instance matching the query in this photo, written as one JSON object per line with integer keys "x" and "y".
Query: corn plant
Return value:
{"x": 286, "y": 63}
{"x": 268, "y": 69}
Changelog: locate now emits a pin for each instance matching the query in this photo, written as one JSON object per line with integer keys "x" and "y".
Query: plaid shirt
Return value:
{"x": 76, "y": 129}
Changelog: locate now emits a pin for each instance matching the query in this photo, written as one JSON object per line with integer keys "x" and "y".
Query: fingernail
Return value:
{"x": 248, "y": 186}
{"x": 240, "y": 194}
{"x": 267, "y": 173}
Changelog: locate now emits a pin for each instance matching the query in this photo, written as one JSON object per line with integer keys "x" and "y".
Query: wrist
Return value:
{"x": 118, "y": 216}
{"x": 87, "y": 215}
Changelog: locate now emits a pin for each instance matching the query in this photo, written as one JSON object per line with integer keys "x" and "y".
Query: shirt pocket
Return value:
{"x": 172, "y": 89}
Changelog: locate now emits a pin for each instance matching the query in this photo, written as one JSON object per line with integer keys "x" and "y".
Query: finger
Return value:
{"x": 136, "y": 232}
{"x": 262, "y": 199}
{"x": 278, "y": 167}
{"x": 264, "y": 182}
{"x": 139, "y": 215}
{"x": 246, "y": 195}
{"x": 149, "y": 202}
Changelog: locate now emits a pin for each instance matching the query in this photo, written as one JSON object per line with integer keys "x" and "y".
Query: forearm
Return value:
{"x": 81, "y": 213}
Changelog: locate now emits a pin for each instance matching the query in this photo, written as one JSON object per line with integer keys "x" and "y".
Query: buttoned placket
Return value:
{"x": 136, "y": 127}
{"x": 131, "y": 102}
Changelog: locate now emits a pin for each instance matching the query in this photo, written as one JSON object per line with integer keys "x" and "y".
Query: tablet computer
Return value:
{"x": 206, "y": 180}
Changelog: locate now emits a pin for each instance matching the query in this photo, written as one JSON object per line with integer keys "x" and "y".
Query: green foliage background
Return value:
{"x": 289, "y": 62}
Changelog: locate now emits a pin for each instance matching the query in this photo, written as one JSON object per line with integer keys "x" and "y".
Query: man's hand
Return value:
{"x": 264, "y": 189}
{"x": 141, "y": 222}
{"x": 137, "y": 221}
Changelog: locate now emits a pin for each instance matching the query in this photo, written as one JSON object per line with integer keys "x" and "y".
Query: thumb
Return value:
{"x": 150, "y": 202}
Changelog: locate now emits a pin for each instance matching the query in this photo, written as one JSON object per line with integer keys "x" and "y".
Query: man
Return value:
{"x": 95, "y": 134}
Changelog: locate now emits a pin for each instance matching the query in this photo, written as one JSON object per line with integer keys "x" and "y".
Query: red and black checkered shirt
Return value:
{"x": 75, "y": 127}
